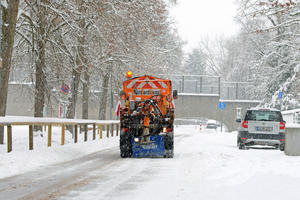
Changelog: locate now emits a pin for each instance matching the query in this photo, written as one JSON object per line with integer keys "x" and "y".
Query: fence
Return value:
{"x": 50, "y": 122}
{"x": 205, "y": 84}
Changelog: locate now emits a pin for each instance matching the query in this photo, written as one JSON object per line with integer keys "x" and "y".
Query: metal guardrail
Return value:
{"x": 50, "y": 122}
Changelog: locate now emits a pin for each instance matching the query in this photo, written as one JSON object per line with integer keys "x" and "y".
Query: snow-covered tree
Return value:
{"x": 9, "y": 10}
{"x": 275, "y": 26}
{"x": 196, "y": 62}
{"x": 85, "y": 43}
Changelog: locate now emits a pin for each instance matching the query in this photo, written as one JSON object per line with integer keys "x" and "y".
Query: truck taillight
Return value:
{"x": 245, "y": 124}
{"x": 282, "y": 125}
{"x": 125, "y": 129}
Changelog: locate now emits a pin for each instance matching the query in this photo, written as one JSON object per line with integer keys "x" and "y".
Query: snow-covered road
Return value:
{"x": 207, "y": 165}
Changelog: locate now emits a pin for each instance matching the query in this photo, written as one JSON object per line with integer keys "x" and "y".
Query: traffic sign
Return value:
{"x": 65, "y": 88}
{"x": 280, "y": 95}
{"x": 222, "y": 105}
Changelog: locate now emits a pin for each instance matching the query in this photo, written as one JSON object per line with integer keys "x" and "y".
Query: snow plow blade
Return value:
{"x": 154, "y": 148}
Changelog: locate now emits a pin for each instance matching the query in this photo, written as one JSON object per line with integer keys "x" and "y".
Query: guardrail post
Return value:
{"x": 49, "y": 135}
{"x": 9, "y": 139}
{"x": 30, "y": 137}
{"x": 76, "y": 133}
{"x": 117, "y": 129}
{"x": 101, "y": 131}
{"x": 112, "y": 130}
{"x": 62, "y": 134}
{"x": 85, "y": 132}
{"x": 94, "y": 131}
{"x": 107, "y": 130}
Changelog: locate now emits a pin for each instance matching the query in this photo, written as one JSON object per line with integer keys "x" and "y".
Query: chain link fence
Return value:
{"x": 203, "y": 84}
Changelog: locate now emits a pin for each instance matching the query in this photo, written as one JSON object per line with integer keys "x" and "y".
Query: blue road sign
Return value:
{"x": 222, "y": 105}
{"x": 280, "y": 95}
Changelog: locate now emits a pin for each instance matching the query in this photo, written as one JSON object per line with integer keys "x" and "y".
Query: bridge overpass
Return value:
{"x": 189, "y": 105}
{"x": 200, "y": 95}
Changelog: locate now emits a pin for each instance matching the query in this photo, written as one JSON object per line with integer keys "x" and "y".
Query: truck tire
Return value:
{"x": 125, "y": 145}
{"x": 169, "y": 146}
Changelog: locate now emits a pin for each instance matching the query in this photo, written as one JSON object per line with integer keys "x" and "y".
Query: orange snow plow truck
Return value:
{"x": 147, "y": 117}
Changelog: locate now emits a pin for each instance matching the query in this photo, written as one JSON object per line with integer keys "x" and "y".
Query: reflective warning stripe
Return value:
{"x": 154, "y": 83}
{"x": 149, "y": 82}
{"x": 132, "y": 83}
{"x": 163, "y": 84}
{"x": 141, "y": 85}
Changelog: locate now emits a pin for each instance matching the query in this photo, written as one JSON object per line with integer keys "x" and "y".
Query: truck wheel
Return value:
{"x": 125, "y": 145}
{"x": 169, "y": 146}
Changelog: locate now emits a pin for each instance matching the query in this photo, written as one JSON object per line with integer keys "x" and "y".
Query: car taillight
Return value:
{"x": 245, "y": 124}
{"x": 282, "y": 125}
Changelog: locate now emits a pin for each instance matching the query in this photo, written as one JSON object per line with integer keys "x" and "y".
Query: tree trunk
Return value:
{"x": 9, "y": 19}
{"x": 74, "y": 88}
{"x": 103, "y": 97}
{"x": 40, "y": 78}
{"x": 81, "y": 63}
{"x": 85, "y": 95}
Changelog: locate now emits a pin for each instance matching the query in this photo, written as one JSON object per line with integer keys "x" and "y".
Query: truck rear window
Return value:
{"x": 263, "y": 115}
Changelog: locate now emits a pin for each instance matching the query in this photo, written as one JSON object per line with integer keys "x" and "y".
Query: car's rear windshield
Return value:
{"x": 263, "y": 115}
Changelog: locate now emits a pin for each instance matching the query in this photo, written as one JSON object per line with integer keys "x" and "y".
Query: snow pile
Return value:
{"x": 22, "y": 160}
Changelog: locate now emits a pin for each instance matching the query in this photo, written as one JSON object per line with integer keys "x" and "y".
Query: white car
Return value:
{"x": 211, "y": 124}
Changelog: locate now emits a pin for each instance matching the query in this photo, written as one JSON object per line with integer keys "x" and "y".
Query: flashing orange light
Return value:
{"x": 129, "y": 74}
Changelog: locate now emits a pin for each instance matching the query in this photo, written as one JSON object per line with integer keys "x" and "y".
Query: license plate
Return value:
{"x": 263, "y": 128}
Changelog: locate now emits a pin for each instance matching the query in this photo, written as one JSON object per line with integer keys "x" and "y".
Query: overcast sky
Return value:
{"x": 196, "y": 19}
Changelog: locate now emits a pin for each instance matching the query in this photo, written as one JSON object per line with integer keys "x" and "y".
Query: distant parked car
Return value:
{"x": 261, "y": 126}
{"x": 211, "y": 124}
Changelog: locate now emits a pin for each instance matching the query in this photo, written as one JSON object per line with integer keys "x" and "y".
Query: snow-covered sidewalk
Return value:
{"x": 22, "y": 160}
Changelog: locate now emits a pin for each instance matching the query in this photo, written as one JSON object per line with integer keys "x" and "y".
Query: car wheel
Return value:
{"x": 240, "y": 144}
{"x": 281, "y": 147}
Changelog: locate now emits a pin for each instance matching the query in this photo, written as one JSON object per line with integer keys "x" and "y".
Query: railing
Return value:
{"x": 291, "y": 116}
{"x": 50, "y": 122}
{"x": 205, "y": 84}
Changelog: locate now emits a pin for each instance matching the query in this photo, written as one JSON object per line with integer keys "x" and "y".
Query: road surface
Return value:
{"x": 207, "y": 165}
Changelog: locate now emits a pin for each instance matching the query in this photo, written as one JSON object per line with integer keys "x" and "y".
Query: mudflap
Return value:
{"x": 154, "y": 148}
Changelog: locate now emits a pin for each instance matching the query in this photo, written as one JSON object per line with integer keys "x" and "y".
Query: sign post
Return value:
{"x": 280, "y": 95}
{"x": 222, "y": 106}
